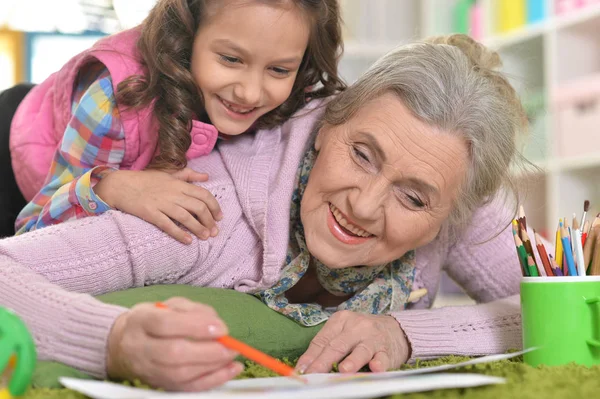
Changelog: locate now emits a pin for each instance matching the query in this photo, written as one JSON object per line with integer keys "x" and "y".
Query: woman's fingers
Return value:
{"x": 213, "y": 379}
{"x": 172, "y": 346}
{"x": 320, "y": 355}
{"x": 380, "y": 363}
{"x": 360, "y": 355}
{"x": 176, "y": 352}
{"x": 354, "y": 340}
{"x": 195, "y": 324}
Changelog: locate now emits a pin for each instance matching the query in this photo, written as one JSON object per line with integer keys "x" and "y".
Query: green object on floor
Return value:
{"x": 247, "y": 318}
{"x": 17, "y": 354}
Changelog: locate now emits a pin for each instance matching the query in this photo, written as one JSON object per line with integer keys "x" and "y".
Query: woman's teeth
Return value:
{"x": 346, "y": 224}
{"x": 234, "y": 108}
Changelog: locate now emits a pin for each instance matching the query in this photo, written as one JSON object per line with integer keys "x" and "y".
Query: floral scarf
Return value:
{"x": 376, "y": 289}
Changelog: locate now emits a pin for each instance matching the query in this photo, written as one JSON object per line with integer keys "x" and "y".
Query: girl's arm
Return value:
{"x": 93, "y": 145}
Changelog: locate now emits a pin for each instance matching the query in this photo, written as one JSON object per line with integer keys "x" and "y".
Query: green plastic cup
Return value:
{"x": 561, "y": 319}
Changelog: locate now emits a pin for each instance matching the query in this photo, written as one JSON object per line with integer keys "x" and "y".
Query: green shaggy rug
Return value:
{"x": 282, "y": 338}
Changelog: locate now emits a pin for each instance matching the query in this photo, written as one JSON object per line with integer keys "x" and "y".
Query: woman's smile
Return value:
{"x": 343, "y": 229}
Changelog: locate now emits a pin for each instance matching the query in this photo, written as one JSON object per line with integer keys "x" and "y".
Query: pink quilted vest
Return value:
{"x": 41, "y": 119}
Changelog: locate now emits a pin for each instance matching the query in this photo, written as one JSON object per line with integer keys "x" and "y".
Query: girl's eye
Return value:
{"x": 228, "y": 59}
{"x": 360, "y": 154}
{"x": 280, "y": 71}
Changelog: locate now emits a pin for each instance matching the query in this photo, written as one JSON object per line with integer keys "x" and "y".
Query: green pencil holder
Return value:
{"x": 561, "y": 319}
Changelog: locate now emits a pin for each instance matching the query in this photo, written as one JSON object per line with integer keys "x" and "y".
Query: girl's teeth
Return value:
{"x": 238, "y": 110}
{"x": 347, "y": 225}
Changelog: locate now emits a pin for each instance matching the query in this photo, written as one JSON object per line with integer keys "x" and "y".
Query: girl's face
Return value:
{"x": 245, "y": 60}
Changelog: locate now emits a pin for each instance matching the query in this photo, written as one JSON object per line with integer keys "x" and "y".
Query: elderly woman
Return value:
{"x": 337, "y": 217}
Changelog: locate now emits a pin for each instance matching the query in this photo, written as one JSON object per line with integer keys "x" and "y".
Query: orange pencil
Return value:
{"x": 257, "y": 356}
{"x": 253, "y": 354}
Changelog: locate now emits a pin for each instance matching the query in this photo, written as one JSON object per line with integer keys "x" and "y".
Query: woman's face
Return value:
{"x": 382, "y": 184}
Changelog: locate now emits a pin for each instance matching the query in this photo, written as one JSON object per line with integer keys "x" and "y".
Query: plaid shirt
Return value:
{"x": 93, "y": 145}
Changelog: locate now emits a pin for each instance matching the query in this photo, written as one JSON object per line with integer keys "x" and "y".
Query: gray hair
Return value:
{"x": 449, "y": 82}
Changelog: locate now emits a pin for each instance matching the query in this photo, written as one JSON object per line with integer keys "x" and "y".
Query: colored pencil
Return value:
{"x": 529, "y": 249}
{"x": 555, "y": 267}
{"x": 575, "y": 222}
{"x": 257, "y": 356}
{"x": 522, "y": 218}
{"x": 522, "y": 253}
{"x": 543, "y": 254}
{"x": 590, "y": 244}
{"x": 558, "y": 249}
{"x": 532, "y": 266}
{"x": 568, "y": 252}
{"x": 595, "y": 267}
{"x": 515, "y": 227}
{"x": 578, "y": 250}
{"x": 251, "y": 353}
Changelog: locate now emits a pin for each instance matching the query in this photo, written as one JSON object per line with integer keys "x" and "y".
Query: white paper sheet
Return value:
{"x": 358, "y": 389}
{"x": 350, "y": 386}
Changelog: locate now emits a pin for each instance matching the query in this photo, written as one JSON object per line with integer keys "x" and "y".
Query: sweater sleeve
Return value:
{"x": 48, "y": 276}
{"x": 92, "y": 146}
{"x": 484, "y": 262}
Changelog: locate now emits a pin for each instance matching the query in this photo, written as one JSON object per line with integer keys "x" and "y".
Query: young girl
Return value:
{"x": 115, "y": 126}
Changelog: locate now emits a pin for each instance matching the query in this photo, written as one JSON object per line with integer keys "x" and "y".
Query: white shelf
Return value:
{"x": 575, "y": 18}
{"x": 550, "y": 24}
{"x": 516, "y": 36}
{"x": 537, "y": 58}
{"x": 570, "y": 164}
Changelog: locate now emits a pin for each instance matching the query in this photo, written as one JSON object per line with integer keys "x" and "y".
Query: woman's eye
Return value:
{"x": 280, "y": 71}
{"x": 228, "y": 59}
{"x": 360, "y": 154}
{"x": 416, "y": 201}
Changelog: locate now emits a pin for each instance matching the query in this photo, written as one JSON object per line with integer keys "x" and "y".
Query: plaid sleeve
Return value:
{"x": 93, "y": 145}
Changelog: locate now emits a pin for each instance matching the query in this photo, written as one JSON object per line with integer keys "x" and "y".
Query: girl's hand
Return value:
{"x": 355, "y": 340}
{"x": 162, "y": 199}
{"x": 172, "y": 348}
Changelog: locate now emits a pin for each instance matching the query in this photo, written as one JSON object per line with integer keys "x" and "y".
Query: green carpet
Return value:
{"x": 524, "y": 381}
{"x": 281, "y": 337}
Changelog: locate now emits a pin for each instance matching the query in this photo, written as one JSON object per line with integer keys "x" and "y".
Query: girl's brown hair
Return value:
{"x": 165, "y": 47}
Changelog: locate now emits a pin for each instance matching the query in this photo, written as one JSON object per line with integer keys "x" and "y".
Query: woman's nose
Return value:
{"x": 368, "y": 201}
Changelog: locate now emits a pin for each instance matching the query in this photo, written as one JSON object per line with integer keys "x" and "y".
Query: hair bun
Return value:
{"x": 479, "y": 55}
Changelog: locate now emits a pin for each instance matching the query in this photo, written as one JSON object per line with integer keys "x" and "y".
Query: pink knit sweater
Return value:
{"x": 49, "y": 276}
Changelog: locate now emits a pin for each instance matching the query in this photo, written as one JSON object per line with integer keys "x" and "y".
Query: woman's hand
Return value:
{"x": 355, "y": 340}
{"x": 172, "y": 348}
{"x": 162, "y": 198}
